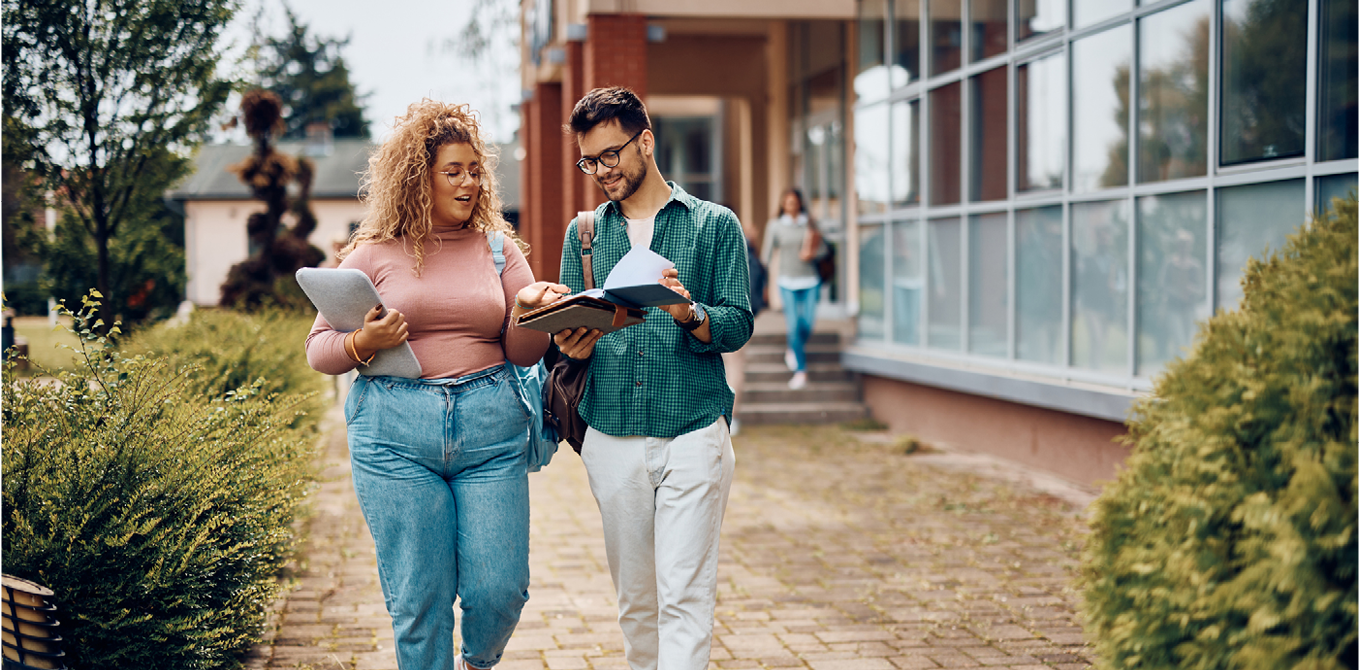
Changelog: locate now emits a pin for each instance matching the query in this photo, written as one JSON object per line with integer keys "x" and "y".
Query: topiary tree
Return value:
{"x": 277, "y": 250}
{"x": 1229, "y": 538}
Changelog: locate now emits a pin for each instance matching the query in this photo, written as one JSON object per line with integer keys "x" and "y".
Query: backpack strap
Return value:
{"x": 497, "y": 242}
{"x": 585, "y": 230}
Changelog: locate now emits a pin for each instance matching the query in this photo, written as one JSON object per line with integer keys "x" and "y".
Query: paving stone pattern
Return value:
{"x": 837, "y": 554}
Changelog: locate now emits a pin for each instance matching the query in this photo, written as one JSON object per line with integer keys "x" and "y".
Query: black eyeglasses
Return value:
{"x": 608, "y": 159}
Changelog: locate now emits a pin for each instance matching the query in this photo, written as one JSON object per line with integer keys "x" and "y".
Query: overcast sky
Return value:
{"x": 398, "y": 54}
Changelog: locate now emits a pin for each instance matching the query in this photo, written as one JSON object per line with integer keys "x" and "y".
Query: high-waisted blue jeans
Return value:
{"x": 441, "y": 474}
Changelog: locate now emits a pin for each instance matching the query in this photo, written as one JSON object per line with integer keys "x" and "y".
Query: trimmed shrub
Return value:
{"x": 160, "y": 516}
{"x": 236, "y": 349}
{"x": 1229, "y": 538}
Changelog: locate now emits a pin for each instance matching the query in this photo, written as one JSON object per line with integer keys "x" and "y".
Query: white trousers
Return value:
{"x": 662, "y": 503}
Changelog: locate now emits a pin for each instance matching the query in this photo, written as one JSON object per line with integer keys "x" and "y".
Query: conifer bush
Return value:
{"x": 158, "y": 513}
{"x": 1229, "y": 537}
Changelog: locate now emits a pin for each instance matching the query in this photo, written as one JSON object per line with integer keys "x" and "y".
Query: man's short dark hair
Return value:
{"x": 602, "y": 105}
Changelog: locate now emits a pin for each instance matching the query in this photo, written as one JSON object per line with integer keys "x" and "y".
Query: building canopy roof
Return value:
{"x": 337, "y": 171}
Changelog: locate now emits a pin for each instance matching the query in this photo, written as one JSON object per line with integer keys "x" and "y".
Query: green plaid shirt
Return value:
{"x": 655, "y": 379}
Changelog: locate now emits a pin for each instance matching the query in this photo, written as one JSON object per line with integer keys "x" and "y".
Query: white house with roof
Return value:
{"x": 216, "y": 204}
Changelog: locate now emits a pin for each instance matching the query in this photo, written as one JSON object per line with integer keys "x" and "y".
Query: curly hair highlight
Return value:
{"x": 396, "y": 185}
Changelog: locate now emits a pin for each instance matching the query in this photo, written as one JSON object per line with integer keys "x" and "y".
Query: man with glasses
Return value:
{"x": 658, "y": 452}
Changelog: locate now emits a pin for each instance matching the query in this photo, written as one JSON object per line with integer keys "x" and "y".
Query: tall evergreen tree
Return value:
{"x": 309, "y": 73}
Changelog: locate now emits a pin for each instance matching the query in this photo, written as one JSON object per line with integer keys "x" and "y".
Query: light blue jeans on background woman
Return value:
{"x": 441, "y": 474}
{"x": 800, "y": 312}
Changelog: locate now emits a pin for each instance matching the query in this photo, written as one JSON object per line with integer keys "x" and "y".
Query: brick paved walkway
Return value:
{"x": 837, "y": 554}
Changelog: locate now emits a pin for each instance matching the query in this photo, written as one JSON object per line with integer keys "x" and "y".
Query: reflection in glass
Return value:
{"x": 1037, "y": 18}
{"x": 988, "y": 304}
{"x": 1250, "y": 219}
{"x": 1088, "y": 12}
{"x": 1100, "y": 286}
{"x": 945, "y": 145}
{"x": 1173, "y": 92}
{"x": 814, "y": 157}
{"x": 946, "y": 284}
{"x": 906, "y": 153}
{"x": 1265, "y": 46}
{"x": 906, "y": 42}
{"x": 1100, "y": 111}
{"x": 907, "y": 282}
{"x": 1172, "y": 295}
{"x": 1337, "y": 60}
{"x": 871, "y": 159}
{"x": 871, "y": 77}
{"x": 1332, "y": 186}
{"x": 946, "y": 35}
{"x": 990, "y": 25}
{"x": 1038, "y": 285}
{"x": 987, "y": 180}
{"x": 1041, "y": 123}
{"x": 871, "y": 279}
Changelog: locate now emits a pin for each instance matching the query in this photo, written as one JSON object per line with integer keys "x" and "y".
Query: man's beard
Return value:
{"x": 629, "y": 183}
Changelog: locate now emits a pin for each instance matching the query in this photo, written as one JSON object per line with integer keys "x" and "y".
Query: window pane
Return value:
{"x": 1100, "y": 286}
{"x": 946, "y": 35}
{"x": 871, "y": 282}
{"x": 1087, "y": 12}
{"x": 1100, "y": 111}
{"x": 907, "y": 282}
{"x": 1041, "y": 108}
{"x": 1337, "y": 67}
{"x": 988, "y": 137}
{"x": 871, "y": 159}
{"x": 906, "y": 153}
{"x": 946, "y": 285}
{"x": 989, "y": 28}
{"x": 1334, "y": 186}
{"x": 1250, "y": 219}
{"x": 1038, "y": 285}
{"x": 945, "y": 146}
{"x": 1265, "y": 44}
{"x": 906, "y": 42}
{"x": 1172, "y": 296}
{"x": 988, "y": 304}
{"x": 1173, "y": 93}
{"x": 871, "y": 76}
{"x": 1039, "y": 17}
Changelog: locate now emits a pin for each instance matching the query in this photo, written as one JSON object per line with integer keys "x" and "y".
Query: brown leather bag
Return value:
{"x": 566, "y": 383}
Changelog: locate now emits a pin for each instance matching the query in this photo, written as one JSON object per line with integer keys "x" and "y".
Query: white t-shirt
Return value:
{"x": 640, "y": 231}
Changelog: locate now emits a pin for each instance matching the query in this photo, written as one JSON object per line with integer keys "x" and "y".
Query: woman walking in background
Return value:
{"x": 440, "y": 463}
{"x": 795, "y": 235}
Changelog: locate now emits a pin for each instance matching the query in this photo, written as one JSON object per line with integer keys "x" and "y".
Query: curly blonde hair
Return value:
{"x": 396, "y": 185}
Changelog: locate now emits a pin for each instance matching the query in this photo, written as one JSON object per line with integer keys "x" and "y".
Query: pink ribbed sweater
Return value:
{"x": 455, "y": 310}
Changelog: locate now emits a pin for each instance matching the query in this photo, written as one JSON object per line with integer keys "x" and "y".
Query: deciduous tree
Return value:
{"x": 107, "y": 87}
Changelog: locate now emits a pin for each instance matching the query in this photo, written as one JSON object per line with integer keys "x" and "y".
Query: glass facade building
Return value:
{"x": 1063, "y": 189}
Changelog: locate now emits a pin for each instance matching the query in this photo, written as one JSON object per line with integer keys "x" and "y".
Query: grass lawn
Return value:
{"x": 43, "y": 341}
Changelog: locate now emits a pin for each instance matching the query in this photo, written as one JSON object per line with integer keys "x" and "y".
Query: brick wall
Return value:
{"x": 543, "y": 180}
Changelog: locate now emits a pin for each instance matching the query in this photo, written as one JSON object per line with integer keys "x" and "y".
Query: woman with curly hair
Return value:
{"x": 440, "y": 462}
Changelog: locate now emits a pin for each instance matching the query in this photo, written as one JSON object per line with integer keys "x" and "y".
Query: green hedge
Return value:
{"x": 159, "y": 509}
{"x": 1229, "y": 538}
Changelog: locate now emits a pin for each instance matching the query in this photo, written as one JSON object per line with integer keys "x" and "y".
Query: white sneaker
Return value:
{"x": 460, "y": 664}
{"x": 799, "y": 380}
{"x": 790, "y": 360}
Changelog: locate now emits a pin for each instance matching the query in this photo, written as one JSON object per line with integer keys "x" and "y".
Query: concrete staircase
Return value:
{"x": 832, "y": 394}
